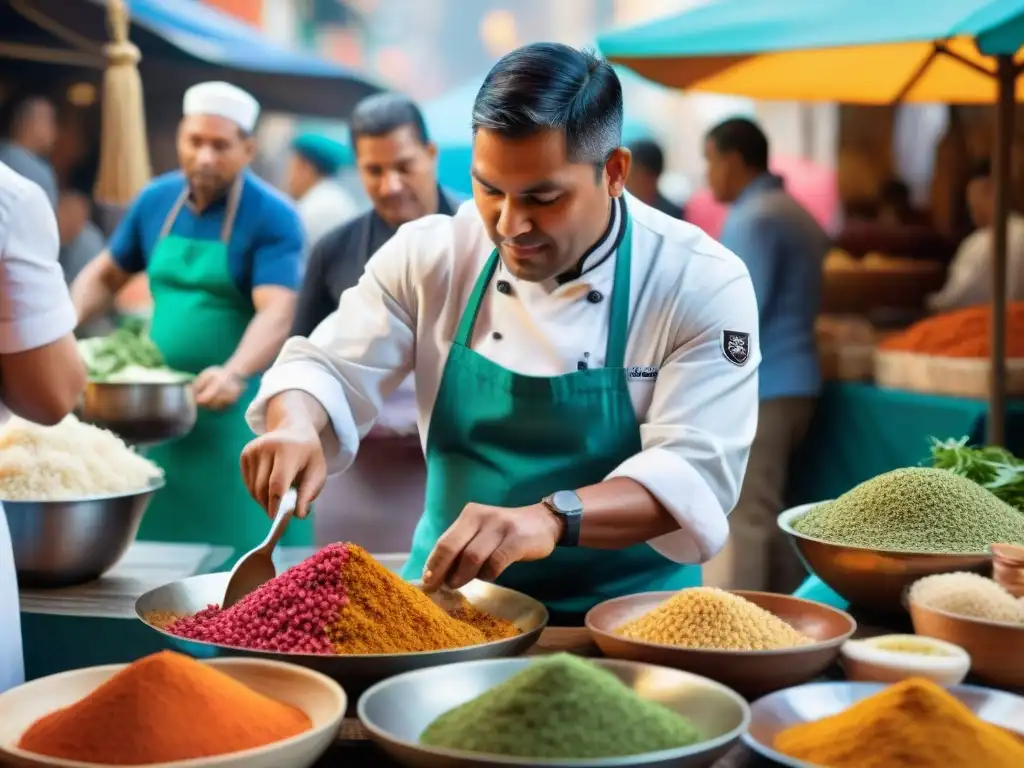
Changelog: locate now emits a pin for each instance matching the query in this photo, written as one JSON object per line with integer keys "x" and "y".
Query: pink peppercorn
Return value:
{"x": 287, "y": 614}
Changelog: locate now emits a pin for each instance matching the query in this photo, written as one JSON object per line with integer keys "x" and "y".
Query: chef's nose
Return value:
{"x": 206, "y": 156}
{"x": 513, "y": 220}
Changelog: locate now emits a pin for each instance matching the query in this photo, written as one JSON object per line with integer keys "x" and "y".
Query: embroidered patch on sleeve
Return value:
{"x": 736, "y": 347}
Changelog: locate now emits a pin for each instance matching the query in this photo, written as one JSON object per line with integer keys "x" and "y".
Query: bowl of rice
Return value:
{"x": 74, "y": 496}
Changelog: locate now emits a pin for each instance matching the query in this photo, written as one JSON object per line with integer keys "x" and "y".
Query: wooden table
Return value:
{"x": 355, "y": 748}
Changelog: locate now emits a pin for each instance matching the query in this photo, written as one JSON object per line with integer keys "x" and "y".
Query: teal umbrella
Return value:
{"x": 861, "y": 51}
{"x": 448, "y": 121}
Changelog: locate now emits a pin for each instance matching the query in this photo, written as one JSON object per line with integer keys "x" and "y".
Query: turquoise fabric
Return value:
{"x": 860, "y": 431}
{"x": 748, "y": 27}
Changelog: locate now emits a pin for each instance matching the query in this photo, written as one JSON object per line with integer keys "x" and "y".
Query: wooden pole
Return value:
{"x": 124, "y": 152}
{"x": 1006, "y": 77}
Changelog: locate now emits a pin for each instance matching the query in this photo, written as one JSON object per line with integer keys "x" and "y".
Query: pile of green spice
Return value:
{"x": 916, "y": 510}
{"x": 561, "y": 707}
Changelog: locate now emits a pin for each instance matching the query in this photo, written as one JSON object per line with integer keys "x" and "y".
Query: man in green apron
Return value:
{"x": 586, "y": 366}
{"x": 222, "y": 252}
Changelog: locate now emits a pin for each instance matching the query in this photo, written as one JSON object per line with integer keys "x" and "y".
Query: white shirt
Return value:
{"x": 35, "y": 305}
{"x": 325, "y": 206}
{"x": 35, "y": 310}
{"x": 697, "y": 417}
{"x": 969, "y": 281}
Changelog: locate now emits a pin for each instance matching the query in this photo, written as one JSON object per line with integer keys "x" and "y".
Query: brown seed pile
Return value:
{"x": 968, "y": 595}
{"x": 713, "y": 619}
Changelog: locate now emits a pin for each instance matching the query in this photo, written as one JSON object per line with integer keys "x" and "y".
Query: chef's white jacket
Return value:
{"x": 325, "y": 206}
{"x": 697, "y": 409}
{"x": 969, "y": 281}
{"x": 35, "y": 310}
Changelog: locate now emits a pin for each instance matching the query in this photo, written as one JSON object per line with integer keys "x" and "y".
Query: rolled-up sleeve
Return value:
{"x": 35, "y": 306}
{"x": 355, "y": 358}
{"x": 698, "y": 430}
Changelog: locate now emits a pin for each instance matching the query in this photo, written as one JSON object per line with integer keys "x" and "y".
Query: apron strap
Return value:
{"x": 165, "y": 230}
{"x": 234, "y": 198}
{"x": 618, "y": 323}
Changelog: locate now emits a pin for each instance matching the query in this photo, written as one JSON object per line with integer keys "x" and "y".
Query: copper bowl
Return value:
{"x": 875, "y": 579}
{"x": 996, "y": 648}
{"x": 1008, "y": 567}
{"x": 751, "y": 673}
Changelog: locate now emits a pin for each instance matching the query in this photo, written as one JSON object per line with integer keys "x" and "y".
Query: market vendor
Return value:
{"x": 586, "y": 366}
{"x": 969, "y": 281}
{"x": 321, "y": 201}
{"x": 222, "y": 251}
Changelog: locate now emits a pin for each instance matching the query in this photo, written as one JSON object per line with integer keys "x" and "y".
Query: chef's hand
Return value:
{"x": 283, "y": 458}
{"x": 217, "y": 388}
{"x": 486, "y": 540}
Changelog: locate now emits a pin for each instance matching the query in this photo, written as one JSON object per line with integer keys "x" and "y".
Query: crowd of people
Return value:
{"x": 606, "y": 397}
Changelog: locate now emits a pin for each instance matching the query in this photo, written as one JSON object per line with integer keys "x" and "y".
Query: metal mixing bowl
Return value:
{"x": 354, "y": 671}
{"x": 872, "y": 578}
{"x": 396, "y": 711}
{"x": 64, "y": 543}
{"x": 142, "y": 413}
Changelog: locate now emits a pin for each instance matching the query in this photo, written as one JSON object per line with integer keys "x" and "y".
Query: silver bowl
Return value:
{"x": 397, "y": 711}
{"x": 142, "y": 413}
{"x": 780, "y": 710}
{"x": 356, "y": 672}
{"x": 872, "y": 578}
{"x": 64, "y": 543}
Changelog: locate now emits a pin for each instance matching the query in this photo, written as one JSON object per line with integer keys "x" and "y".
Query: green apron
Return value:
{"x": 502, "y": 438}
{"x": 199, "y": 316}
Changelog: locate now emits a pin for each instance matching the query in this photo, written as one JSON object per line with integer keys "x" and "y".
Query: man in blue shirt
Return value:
{"x": 783, "y": 248}
{"x": 222, "y": 250}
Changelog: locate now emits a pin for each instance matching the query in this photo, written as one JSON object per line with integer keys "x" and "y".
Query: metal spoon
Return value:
{"x": 256, "y": 568}
{"x": 445, "y": 598}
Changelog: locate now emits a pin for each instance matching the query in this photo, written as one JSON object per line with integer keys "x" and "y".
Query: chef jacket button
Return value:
{"x": 496, "y": 336}
{"x": 504, "y": 287}
{"x": 595, "y": 297}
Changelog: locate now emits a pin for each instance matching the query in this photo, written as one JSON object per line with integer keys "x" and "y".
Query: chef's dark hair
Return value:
{"x": 550, "y": 86}
{"x": 382, "y": 113}
{"x": 745, "y": 138}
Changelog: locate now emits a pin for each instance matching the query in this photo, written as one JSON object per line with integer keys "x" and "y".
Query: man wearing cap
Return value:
{"x": 222, "y": 251}
{"x": 321, "y": 201}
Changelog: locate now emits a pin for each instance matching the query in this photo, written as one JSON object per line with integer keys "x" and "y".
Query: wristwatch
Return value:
{"x": 567, "y": 506}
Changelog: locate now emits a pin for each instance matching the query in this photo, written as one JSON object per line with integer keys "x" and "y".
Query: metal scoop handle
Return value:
{"x": 281, "y": 520}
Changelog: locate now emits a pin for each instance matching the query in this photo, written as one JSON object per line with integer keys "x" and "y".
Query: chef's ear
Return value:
{"x": 431, "y": 149}
{"x": 616, "y": 170}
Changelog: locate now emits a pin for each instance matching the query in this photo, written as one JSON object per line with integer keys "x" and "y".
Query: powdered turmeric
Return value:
{"x": 385, "y": 614}
{"x": 913, "y": 724}
{"x": 962, "y": 333}
{"x": 162, "y": 709}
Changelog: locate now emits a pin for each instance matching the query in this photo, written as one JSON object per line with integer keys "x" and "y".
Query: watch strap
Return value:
{"x": 572, "y": 519}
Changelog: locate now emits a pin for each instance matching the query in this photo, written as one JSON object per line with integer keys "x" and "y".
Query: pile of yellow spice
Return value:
{"x": 713, "y": 619}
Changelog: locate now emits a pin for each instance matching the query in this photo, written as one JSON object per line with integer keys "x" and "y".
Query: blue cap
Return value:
{"x": 326, "y": 155}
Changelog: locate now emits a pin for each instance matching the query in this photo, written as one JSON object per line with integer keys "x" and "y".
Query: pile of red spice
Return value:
{"x": 289, "y": 613}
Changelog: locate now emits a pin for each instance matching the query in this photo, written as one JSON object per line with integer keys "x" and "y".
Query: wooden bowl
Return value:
{"x": 996, "y": 648}
{"x": 751, "y": 673}
{"x": 322, "y": 699}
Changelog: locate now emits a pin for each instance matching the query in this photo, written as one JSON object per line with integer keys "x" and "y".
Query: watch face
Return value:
{"x": 567, "y": 503}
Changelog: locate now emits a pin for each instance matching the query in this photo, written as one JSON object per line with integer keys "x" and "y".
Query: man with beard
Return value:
{"x": 222, "y": 251}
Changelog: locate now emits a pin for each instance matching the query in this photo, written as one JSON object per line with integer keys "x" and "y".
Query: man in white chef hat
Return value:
{"x": 222, "y": 251}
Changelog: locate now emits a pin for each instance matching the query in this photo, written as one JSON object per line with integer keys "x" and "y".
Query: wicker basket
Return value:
{"x": 929, "y": 374}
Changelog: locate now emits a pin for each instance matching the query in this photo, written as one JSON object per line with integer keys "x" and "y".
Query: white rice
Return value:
{"x": 68, "y": 461}
{"x": 967, "y": 594}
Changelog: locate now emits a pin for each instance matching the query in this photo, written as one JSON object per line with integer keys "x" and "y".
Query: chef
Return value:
{"x": 222, "y": 251}
{"x": 586, "y": 366}
{"x": 41, "y": 373}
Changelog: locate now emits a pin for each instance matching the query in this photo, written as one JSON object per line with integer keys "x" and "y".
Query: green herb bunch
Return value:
{"x": 995, "y": 469}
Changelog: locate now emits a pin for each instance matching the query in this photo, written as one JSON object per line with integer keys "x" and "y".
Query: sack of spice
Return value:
{"x": 561, "y": 707}
{"x": 961, "y": 333}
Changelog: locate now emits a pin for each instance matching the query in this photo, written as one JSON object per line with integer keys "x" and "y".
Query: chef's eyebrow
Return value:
{"x": 540, "y": 188}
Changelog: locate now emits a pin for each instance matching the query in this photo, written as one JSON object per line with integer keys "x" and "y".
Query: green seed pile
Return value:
{"x": 561, "y": 707}
{"x": 916, "y": 510}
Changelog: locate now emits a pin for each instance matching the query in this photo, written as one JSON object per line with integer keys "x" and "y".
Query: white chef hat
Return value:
{"x": 222, "y": 100}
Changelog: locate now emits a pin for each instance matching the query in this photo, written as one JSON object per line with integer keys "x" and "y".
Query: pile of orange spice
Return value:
{"x": 963, "y": 333}
{"x": 163, "y": 708}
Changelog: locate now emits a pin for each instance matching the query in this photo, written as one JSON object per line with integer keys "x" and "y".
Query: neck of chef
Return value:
{"x": 605, "y": 246}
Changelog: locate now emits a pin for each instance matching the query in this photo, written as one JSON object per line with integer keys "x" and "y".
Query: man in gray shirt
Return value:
{"x": 30, "y": 131}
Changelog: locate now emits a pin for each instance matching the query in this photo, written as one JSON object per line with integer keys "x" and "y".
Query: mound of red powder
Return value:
{"x": 289, "y": 613}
